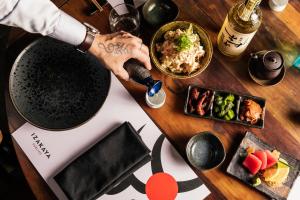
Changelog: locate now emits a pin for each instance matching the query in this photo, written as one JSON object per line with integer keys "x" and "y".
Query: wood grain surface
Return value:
{"x": 282, "y": 120}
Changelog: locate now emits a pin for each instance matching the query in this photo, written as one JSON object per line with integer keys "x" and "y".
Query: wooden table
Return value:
{"x": 282, "y": 120}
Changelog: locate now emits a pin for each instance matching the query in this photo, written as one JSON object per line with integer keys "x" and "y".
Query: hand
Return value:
{"x": 113, "y": 50}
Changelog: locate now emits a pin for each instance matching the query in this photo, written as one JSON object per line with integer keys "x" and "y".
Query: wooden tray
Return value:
{"x": 237, "y": 170}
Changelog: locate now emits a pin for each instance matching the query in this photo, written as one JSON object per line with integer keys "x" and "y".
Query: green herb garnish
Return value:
{"x": 189, "y": 31}
{"x": 183, "y": 42}
{"x": 256, "y": 181}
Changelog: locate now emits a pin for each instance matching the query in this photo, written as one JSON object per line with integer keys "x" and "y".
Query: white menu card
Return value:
{"x": 51, "y": 151}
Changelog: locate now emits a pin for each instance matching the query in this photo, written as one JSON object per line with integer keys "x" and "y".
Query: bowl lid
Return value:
{"x": 272, "y": 60}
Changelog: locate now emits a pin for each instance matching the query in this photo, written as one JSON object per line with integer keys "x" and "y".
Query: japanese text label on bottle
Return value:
{"x": 231, "y": 42}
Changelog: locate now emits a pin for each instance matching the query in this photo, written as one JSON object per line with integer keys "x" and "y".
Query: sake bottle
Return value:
{"x": 239, "y": 27}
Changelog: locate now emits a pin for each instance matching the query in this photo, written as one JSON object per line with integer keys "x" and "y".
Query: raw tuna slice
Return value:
{"x": 271, "y": 159}
{"x": 261, "y": 155}
{"x": 252, "y": 163}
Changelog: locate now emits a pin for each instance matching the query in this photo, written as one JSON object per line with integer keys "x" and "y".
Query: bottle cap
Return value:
{"x": 278, "y": 5}
{"x": 157, "y": 100}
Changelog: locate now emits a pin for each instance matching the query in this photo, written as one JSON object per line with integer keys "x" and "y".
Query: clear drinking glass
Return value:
{"x": 125, "y": 17}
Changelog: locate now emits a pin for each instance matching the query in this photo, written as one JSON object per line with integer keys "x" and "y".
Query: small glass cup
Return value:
{"x": 125, "y": 17}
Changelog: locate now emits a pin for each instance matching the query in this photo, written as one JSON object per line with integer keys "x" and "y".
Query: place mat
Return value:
{"x": 50, "y": 151}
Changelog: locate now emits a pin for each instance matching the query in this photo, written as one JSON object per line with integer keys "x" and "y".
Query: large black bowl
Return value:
{"x": 55, "y": 87}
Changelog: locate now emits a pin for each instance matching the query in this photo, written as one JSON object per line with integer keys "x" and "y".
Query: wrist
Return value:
{"x": 88, "y": 39}
{"x": 95, "y": 48}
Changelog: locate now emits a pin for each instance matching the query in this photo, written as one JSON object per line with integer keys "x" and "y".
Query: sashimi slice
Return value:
{"x": 271, "y": 159}
{"x": 261, "y": 155}
{"x": 252, "y": 163}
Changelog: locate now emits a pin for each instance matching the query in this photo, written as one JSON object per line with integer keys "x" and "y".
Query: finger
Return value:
{"x": 142, "y": 57}
{"x": 135, "y": 41}
{"x": 129, "y": 35}
{"x": 144, "y": 49}
{"x": 112, "y": 35}
{"x": 122, "y": 73}
{"x": 123, "y": 34}
{"x": 139, "y": 40}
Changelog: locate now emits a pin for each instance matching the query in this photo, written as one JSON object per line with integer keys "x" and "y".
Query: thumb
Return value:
{"x": 122, "y": 73}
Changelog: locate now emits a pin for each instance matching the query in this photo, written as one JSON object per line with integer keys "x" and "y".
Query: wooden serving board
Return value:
{"x": 236, "y": 168}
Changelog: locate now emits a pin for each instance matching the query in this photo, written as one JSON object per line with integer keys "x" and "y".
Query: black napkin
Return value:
{"x": 104, "y": 165}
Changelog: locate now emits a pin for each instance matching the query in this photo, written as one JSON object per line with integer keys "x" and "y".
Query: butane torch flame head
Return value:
{"x": 155, "y": 88}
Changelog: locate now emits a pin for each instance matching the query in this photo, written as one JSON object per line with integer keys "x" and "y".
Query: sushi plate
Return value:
{"x": 236, "y": 169}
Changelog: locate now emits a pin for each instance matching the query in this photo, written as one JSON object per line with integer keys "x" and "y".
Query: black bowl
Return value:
{"x": 205, "y": 151}
{"x": 159, "y": 12}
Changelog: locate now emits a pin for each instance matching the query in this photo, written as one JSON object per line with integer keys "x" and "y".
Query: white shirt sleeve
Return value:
{"x": 42, "y": 16}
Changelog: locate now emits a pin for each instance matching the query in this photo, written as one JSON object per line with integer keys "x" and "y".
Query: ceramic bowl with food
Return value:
{"x": 181, "y": 49}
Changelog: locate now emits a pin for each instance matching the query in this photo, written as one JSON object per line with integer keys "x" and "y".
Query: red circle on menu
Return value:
{"x": 161, "y": 186}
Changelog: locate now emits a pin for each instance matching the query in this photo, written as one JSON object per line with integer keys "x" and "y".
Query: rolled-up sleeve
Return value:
{"x": 42, "y": 16}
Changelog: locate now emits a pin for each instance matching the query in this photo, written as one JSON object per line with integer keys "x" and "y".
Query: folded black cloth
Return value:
{"x": 104, "y": 165}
